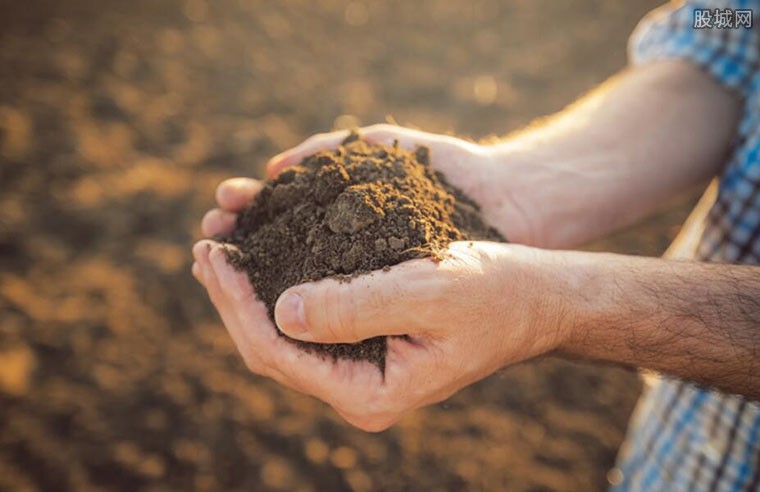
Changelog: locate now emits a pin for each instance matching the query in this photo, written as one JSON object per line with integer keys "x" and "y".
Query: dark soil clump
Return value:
{"x": 360, "y": 208}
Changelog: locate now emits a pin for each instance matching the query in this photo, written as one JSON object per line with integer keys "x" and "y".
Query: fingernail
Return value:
{"x": 291, "y": 312}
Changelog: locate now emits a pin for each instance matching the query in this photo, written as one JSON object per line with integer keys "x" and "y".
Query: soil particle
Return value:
{"x": 342, "y": 213}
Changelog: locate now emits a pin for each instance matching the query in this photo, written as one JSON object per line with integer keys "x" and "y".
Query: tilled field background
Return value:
{"x": 117, "y": 120}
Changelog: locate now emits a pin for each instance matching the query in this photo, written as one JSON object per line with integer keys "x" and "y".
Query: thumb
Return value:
{"x": 395, "y": 302}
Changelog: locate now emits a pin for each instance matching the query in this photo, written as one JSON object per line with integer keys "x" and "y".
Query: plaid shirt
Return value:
{"x": 685, "y": 438}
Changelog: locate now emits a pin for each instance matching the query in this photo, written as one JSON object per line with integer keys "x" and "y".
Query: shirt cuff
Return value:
{"x": 730, "y": 55}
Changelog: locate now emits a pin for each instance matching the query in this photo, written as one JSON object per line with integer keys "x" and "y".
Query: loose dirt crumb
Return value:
{"x": 342, "y": 213}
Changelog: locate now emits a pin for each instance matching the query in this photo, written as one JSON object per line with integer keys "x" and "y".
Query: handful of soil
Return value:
{"x": 342, "y": 213}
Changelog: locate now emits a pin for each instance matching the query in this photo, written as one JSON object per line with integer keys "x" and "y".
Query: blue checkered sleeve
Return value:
{"x": 685, "y": 438}
{"x": 730, "y": 55}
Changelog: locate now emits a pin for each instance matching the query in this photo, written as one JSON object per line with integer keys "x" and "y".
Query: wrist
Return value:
{"x": 545, "y": 188}
{"x": 568, "y": 188}
{"x": 511, "y": 198}
{"x": 596, "y": 314}
{"x": 541, "y": 288}
{"x": 561, "y": 296}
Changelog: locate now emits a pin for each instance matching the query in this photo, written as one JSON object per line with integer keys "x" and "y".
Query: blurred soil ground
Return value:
{"x": 117, "y": 120}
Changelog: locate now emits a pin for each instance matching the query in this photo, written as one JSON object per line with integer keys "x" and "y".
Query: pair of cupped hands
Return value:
{"x": 485, "y": 305}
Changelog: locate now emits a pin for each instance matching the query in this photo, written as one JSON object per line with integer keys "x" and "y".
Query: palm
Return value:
{"x": 418, "y": 372}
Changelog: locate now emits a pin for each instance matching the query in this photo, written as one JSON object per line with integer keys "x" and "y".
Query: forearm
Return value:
{"x": 617, "y": 154}
{"x": 693, "y": 320}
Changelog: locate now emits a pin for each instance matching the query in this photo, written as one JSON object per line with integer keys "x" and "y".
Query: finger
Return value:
{"x": 400, "y": 301}
{"x": 410, "y": 138}
{"x": 235, "y": 193}
{"x": 196, "y": 271}
{"x": 252, "y": 327}
{"x": 339, "y": 383}
{"x": 384, "y": 134}
{"x": 202, "y": 251}
{"x": 224, "y": 303}
{"x": 424, "y": 371}
{"x": 218, "y": 222}
{"x": 234, "y": 284}
{"x": 342, "y": 384}
{"x": 246, "y": 322}
{"x": 330, "y": 141}
{"x": 312, "y": 145}
{"x": 254, "y": 333}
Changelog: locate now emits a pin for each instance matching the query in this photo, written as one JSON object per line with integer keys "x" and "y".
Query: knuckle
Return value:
{"x": 223, "y": 185}
{"x": 304, "y": 146}
{"x": 381, "y": 127}
{"x": 380, "y": 131}
{"x": 339, "y": 308}
{"x": 317, "y": 140}
{"x": 206, "y": 221}
{"x": 312, "y": 140}
{"x": 373, "y": 307}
